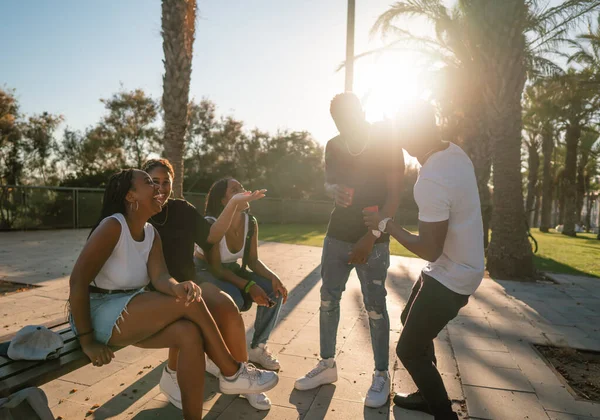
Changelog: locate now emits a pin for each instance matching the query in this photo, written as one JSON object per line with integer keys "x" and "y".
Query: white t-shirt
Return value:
{"x": 447, "y": 190}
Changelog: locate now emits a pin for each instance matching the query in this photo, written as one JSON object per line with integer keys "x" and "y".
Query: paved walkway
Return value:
{"x": 485, "y": 354}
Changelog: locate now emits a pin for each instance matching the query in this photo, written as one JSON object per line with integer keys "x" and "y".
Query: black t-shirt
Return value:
{"x": 181, "y": 226}
{"x": 367, "y": 173}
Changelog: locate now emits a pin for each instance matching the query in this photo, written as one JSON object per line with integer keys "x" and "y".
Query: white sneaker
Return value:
{"x": 324, "y": 373}
{"x": 263, "y": 357}
{"x": 168, "y": 385}
{"x": 379, "y": 393}
{"x": 248, "y": 380}
{"x": 258, "y": 401}
{"x": 211, "y": 367}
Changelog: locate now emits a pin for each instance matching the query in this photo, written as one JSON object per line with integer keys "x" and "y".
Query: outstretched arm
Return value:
{"x": 221, "y": 225}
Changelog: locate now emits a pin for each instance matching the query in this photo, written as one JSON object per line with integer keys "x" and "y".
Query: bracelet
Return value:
{"x": 248, "y": 286}
{"x": 86, "y": 333}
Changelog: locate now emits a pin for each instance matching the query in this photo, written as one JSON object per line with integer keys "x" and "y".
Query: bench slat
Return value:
{"x": 44, "y": 373}
{"x": 66, "y": 334}
{"x": 18, "y": 374}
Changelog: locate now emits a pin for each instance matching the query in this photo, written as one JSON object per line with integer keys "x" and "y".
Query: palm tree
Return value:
{"x": 532, "y": 140}
{"x": 586, "y": 168}
{"x": 541, "y": 114}
{"x": 579, "y": 106}
{"x": 178, "y": 28}
{"x": 492, "y": 37}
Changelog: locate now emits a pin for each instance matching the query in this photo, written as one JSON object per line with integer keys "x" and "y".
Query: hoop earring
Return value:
{"x": 137, "y": 205}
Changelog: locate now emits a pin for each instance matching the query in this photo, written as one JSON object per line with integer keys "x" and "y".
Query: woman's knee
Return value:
{"x": 219, "y": 303}
{"x": 186, "y": 333}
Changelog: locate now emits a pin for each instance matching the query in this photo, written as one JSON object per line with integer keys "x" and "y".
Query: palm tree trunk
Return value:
{"x": 537, "y": 207}
{"x": 533, "y": 160}
{"x": 502, "y": 45}
{"x": 588, "y": 214}
{"x": 581, "y": 183}
{"x": 178, "y": 27}
{"x": 476, "y": 145}
{"x": 547, "y": 182}
{"x": 572, "y": 136}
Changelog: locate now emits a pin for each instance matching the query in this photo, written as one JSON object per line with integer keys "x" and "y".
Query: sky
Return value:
{"x": 270, "y": 63}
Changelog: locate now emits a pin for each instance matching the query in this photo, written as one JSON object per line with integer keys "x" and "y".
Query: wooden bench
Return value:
{"x": 18, "y": 374}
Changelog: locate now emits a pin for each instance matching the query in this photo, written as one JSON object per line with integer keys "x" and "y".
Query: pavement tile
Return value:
{"x": 478, "y": 343}
{"x": 495, "y": 377}
{"x": 495, "y": 404}
{"x": 558, "y": 398}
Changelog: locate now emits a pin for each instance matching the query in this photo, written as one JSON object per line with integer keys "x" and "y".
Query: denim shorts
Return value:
{"x": 105, "y": 311}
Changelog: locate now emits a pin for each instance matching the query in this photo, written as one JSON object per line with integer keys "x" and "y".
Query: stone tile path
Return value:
{"x": 485, "y": 354}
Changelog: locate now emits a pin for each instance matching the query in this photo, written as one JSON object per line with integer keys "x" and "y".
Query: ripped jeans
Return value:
{"x": 335, "y": 271}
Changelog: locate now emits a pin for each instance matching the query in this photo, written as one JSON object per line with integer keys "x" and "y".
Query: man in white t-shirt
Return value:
{"x": 450, "y": 239}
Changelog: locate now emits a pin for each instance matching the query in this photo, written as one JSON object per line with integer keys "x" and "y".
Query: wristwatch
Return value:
{"x": 383, "y": 224}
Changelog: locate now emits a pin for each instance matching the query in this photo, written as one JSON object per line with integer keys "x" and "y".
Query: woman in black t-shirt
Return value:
{"x": 180, "y": 227}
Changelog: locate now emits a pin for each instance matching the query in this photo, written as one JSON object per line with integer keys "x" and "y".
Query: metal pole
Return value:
{"x": 350, "y": 45}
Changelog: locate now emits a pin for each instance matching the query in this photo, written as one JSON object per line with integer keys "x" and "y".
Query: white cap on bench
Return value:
{"x": 35, "y": 343}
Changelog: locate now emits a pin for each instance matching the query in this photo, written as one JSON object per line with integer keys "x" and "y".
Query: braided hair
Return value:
{"x": 214, "y": 199}
{"x": 116, "y": 190}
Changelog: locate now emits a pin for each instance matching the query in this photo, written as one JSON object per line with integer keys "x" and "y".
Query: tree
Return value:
{"x": 130, "y": 122}
{"x": 457, "y": 84}
{"x": 541, "y": 113}
{"x": 178, "y": 31}
{"x": 488, "y": 38}
{"x": 90, "y": 157}
{"x": 532, "y": 141}
{"x": 587, "y": 167}
{"x": 39, "y": 143}
{"x": 578, "y": 106}
{"x": 11, "y": 160}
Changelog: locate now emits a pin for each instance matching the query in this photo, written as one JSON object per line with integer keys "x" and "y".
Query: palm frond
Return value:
{"x": 549, "y": 22}
{"x": 429, "y": 9}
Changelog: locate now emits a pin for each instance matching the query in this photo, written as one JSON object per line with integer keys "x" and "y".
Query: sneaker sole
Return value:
{"x": 266, "y": 367}
{"x": 301, "y": 388}
{"x": 266, "y": 387}
{"x": 257, "y": 407}
{"x": 377, "y": 406}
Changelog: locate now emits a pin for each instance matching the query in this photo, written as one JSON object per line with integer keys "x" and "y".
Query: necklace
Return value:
{"x": 364, "y": 147}
{"x": 166, "y": 218}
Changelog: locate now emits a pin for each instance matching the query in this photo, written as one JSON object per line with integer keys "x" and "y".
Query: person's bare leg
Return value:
{"x": 150, "y": 312}
{"x": 184, "y": 336}
{"x": 229, "y": 320}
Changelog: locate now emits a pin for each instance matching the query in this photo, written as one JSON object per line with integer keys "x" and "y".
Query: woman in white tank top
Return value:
{"x": 109, "y": 305}
{"x": 261, "y": 284}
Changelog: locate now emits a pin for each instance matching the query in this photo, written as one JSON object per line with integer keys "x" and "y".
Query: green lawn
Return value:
{"x": 562, "y": 254}
{"x": 313, "y": 235}
{"x": 557, "y": 253}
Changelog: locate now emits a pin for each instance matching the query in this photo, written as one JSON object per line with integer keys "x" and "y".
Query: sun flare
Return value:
{"x": 389, "y": 83}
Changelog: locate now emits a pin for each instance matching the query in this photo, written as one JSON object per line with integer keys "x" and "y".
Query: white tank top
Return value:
{"x": 127, "y": 266}
{"x": 226, "y": 255}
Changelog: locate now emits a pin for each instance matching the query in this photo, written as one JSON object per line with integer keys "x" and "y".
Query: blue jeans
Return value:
{"x": 266, "y": 318}
{"x": 335, "y": 271}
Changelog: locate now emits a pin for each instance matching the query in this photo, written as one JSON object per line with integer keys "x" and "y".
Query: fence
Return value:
{"x": 29, "y": 207}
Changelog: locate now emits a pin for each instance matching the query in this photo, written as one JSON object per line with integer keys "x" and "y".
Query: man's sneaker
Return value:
{"x": 414, "y": 401}
{"x": 262, "y": 356}
{"x": 324, "y": 373}
{"x": 379, "y": 393}
{"x": 248, "y": 380}
{"x": 258, "y": 401}
{"x": 168, "y": 386}
{"x": 211, "y": 367}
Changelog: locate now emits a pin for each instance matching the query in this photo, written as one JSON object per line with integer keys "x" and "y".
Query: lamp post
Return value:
{"x": 350, "y": 45}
